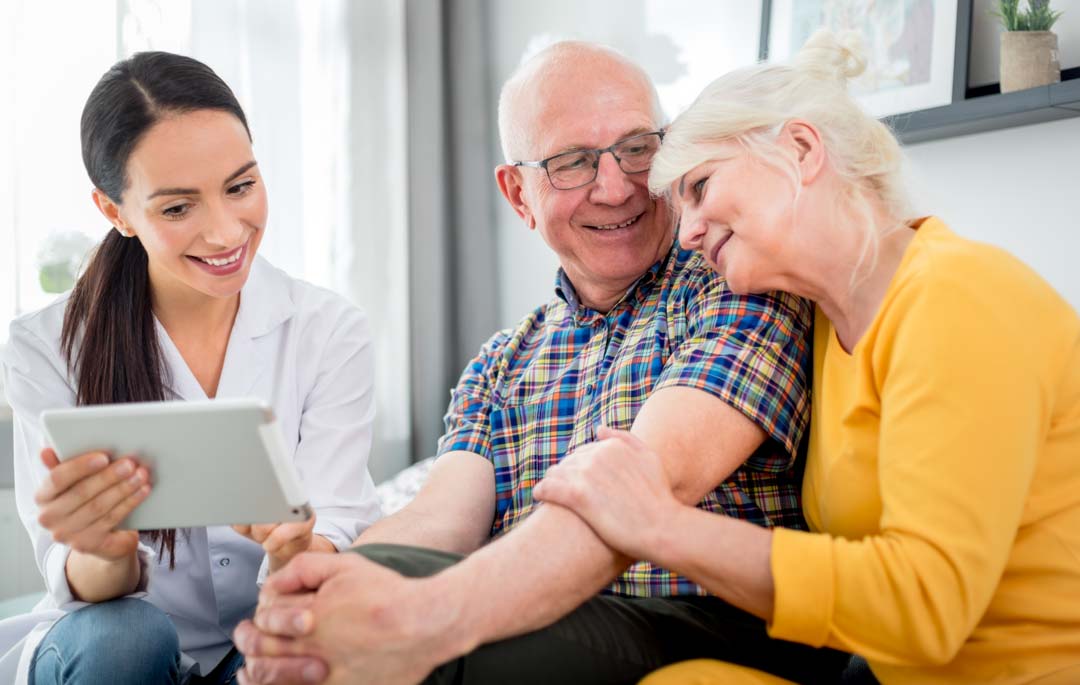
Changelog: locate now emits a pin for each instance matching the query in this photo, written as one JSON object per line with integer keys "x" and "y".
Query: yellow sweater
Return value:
{"x": 944, "y": 468}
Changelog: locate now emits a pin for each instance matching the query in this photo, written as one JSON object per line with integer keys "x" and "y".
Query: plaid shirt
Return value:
{"x": 538, "y": 391}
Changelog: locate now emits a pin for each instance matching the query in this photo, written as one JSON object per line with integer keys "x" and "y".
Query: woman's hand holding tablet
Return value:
{"x": 84, "y": 499}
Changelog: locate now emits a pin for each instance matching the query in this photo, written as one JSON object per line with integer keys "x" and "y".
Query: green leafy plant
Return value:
{"x": 1037, "y": 17}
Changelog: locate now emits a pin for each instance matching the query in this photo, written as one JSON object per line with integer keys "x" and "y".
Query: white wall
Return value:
{"x": 1016, "y": 188}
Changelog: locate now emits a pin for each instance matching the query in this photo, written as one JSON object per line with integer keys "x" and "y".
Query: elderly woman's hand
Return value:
{"x": 619, "y": 487}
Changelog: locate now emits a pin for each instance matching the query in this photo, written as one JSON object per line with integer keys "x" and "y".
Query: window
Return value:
{"x": 322, "y": 85}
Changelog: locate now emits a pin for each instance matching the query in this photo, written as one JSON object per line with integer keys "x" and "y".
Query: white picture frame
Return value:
{"x": 916, "y": 49}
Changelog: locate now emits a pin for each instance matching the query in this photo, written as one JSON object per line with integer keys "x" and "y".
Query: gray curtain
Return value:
{"x": 453, "y": 299}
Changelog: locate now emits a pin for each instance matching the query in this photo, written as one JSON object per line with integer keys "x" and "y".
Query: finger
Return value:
{"x": 285, "y": 670}
{"x": 295, "y": 600}
{"x": 584, "y": 447}
{"x": 97, "y": 509}
{"x": 625, "y": 437}
{"x": 308, "y": 571}
{"x": 286, "y": 533}
{"x": 605, "y": 432}
{"x": 559, "y": 488}
{"x": 260, "y": 532}
{"x": 121, "y": 476}
{"x": 244, "y": 530}
{"x": 254, "y": 643}
{"x": 49, "y": 458}
{"x": 99, "y": 529}
{"x": 64, "y": 475}
{"x": 293, "y": 619}
{"x": 287, "y": 549}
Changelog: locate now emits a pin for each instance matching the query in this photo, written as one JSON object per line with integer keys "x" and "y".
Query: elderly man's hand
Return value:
{"x": 341, "y": 618}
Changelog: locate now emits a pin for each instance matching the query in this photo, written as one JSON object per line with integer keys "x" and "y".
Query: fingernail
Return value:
{"x": 312, "y": 673}
{"x": 100, "y": 461}
{"x": 124, "y": 467}
{"x": 302, "y": 621}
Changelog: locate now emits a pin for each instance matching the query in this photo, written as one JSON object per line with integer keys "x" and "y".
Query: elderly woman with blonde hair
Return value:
{"x": 942, "y": 483}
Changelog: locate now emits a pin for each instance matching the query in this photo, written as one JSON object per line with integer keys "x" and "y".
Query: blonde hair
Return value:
{"x": 750, "y": 106}
{"x": 552, "y": 62}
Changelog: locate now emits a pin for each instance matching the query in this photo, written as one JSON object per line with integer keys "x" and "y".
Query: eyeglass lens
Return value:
{"x": 574, "y": 169}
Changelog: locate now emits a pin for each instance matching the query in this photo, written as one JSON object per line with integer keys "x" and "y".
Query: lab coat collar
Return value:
{"x": 265, "y": 304}
{"x": 265, "y": 301}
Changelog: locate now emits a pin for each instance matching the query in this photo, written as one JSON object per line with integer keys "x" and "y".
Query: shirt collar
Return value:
{"x": 564, "y": 288}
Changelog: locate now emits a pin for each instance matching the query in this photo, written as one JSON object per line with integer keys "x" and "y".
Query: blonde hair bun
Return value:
{"x": 832, "y": 57}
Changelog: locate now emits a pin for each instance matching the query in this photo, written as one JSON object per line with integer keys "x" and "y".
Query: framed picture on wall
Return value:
{"x": 916, "y": 50}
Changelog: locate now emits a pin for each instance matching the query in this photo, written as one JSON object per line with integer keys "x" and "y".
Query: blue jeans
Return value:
{"x": 119, "y": 642}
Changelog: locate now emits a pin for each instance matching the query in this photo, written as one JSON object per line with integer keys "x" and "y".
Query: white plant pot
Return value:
{"x": 1028, "y": 59}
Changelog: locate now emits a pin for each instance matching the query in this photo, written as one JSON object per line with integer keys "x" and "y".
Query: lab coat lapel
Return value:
{"x": 265, "y": 304}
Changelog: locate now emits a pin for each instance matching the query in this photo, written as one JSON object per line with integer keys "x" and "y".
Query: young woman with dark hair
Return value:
{"x": 174, "y": 304}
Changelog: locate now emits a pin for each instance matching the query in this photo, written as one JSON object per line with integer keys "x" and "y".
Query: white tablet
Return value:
{"x": 215, "y": 462}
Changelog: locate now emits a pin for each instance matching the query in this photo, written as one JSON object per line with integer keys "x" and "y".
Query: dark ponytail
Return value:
{"x": 108, "y": 336}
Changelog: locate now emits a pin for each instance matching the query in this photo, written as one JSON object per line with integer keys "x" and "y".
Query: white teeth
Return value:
{"x": 611, "y": 227}
{"x": 220, "y": 262}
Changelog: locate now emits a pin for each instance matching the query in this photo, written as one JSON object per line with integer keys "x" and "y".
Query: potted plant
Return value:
{"x": 1029, "y": 49}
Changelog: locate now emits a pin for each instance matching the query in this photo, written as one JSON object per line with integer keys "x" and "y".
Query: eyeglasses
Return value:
{"x": 569, "y": 170}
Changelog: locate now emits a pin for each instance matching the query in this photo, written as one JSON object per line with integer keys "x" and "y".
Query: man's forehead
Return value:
{"x": 591, "y": 120}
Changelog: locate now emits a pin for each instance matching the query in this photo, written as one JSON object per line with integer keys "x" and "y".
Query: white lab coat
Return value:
{"x": 304, "y": 351}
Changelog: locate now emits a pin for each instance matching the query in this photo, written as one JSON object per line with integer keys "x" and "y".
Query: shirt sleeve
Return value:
{"x": 336, "y": 430}
{"x": 467, "y": 418}
{"x": 962, "y": 418}
{"x": 751, "y": 352}
{"x": 35, "y": 379}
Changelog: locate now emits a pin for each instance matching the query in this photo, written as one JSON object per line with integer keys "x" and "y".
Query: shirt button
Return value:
{"x": 588, "y": 389}
{"x": 224, "y": 562}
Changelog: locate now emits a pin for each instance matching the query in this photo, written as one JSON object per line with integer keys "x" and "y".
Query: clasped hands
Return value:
{"x": 333, "y": 617}
{"x": 336, "y": 617}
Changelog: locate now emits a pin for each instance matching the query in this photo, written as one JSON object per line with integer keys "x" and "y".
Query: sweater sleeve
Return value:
{"x": 964, "y": 410}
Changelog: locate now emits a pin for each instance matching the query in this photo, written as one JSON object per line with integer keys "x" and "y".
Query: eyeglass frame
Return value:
{"x": 543, "y": 163}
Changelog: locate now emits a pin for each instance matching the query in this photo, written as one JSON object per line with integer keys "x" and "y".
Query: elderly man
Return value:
{"x": 640, "y": 335}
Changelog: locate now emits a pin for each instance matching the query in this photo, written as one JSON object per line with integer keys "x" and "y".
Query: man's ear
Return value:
{"x": 512, "y": 188}
{"x": 111, "y": 211}
{"x": 806, "y": 140}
